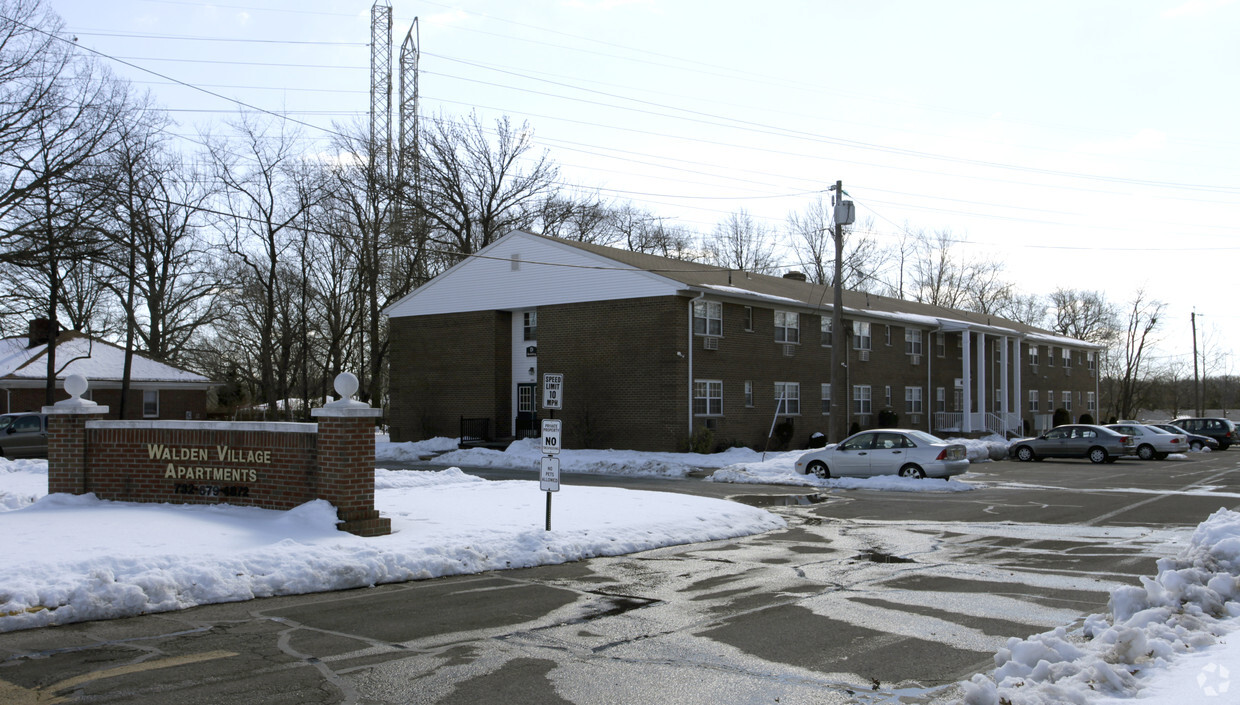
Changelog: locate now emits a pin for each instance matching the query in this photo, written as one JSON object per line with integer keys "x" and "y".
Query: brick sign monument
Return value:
{"x": 272, "y": 465}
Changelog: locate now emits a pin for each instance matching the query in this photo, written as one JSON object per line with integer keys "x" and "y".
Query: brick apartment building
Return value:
{"x": 156, "y": 390}
{"x": 652, "y": 349}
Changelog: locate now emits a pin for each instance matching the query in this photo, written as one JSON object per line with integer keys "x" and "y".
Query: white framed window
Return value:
{"x": 1091, "y": 360}
{"x": 150, "y": 403}
{"x": 707, "y": 318}
{"x": 887, "y": 336}
{"x": 1067, "y": 357}
{"x": 826, "y": 398}
{"x": 788, "y": 398}
{"x": 707, "y": 397}
{"x": 1091, "y": 402}
{"x": 749, "y": 318}
{"x": 861, "y": 335}
{"x": 1050, "y": 355}
{"x": 912, "y": 341}
{"x": 957, "y": 400}
{"x": 787, "y": 327}
{"x": 529, "y": 325}
{"x": 1067, "y": 401}
{"x": 887, "y": 397}
{"x": 861, "y": 399}
{"x": 1033, "y": 401}
{"x": 940, "y": 345}
{"x": 826, "y": 331}
{"x": 912, "y": 400}
{"x": 749, "y": 393}
{"x": 1033, "y": 355}
{"x": 940, "y": 399}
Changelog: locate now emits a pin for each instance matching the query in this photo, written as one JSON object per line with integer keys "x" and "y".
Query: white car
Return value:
{"x": 887, "y": 451}
{"x": 1153, "y": 443}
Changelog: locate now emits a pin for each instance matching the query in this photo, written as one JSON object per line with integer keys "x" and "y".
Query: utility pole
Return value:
{"x": 842, "y": 214}
{"x": 1197, "y": 401}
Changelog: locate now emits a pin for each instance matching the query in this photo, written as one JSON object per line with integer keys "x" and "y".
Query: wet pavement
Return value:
{"x": 866, "y": 597}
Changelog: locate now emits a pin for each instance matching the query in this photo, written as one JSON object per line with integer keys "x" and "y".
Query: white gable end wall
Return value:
{"x": 522, "y": 271}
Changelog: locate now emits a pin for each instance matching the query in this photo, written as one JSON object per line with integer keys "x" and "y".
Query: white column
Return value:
{"x": 982, "y": 363}
{"x": 1018, "y": 397}
{"x": 966, "y": 423}
{"x": 1004, "y": 388}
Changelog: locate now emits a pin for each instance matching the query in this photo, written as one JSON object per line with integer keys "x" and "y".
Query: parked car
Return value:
{"x": 1220, "y": 429}
{"x": 23, "y": 435}
{"x": 1098, "y": 443}
{"x": 1195, "y": 441}
{"x": 1153, "y": 443}
{"x": 887, "y": 451}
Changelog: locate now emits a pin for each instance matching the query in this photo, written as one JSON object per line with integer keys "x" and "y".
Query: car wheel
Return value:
{"x": 1196, "y": 445}
{"x": 1097, "y": 455}
{"x": 1024, "y": 454}
{"x": 820, "y": 469}
{"x": 1145, "y": 452}
{"x": 911, "y": 470}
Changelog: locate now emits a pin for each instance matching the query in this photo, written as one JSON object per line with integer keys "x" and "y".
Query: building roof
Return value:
{"x": 94, "y": 359}
{"x": 721, "y": 283}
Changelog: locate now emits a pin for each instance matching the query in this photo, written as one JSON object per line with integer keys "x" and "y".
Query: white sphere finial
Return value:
{"x": 76, "y": 385}
{"x": 346, "y": 385}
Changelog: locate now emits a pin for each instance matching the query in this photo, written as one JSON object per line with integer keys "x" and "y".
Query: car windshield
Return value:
{"x": 6, "y": 421}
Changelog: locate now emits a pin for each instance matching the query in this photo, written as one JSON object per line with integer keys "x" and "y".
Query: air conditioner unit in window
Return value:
{"x": 864, "y": 355}
{"x": 710, "y": 343}
{"x": 914, "y": 359}
{"x": 790, "y": 350}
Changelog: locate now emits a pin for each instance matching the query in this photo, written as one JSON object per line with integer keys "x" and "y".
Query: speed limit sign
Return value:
{"x": 553, "y": 391}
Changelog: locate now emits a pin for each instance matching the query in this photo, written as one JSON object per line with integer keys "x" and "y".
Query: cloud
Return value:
{"x": 1196, "y": 8}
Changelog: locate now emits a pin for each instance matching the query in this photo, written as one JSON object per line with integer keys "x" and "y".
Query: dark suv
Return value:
{"x": 1221, "y": 430}
{"x": 23, "y": 435}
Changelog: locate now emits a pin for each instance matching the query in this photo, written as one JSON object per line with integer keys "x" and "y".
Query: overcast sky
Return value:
{"x": 1089, "y": 145}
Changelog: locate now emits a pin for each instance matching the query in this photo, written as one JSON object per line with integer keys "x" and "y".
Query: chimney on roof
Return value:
{"x": 799, "y": 276}
{"x": 40, "y": 331}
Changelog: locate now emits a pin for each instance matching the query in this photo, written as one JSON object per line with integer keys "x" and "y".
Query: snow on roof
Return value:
{"x": 86, "y": 356}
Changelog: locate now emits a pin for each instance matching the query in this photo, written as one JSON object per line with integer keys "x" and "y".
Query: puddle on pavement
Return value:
{"x": 876, "y": 556}
{"x": 782, "y": 500}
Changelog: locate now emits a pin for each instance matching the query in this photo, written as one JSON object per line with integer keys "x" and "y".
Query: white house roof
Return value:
{"x": 93, "y": 359}
{"x": 524, "y": 270}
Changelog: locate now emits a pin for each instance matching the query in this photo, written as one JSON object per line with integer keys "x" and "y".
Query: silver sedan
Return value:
{"x": 887, "y": 451}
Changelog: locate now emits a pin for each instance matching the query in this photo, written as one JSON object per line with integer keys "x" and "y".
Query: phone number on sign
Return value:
{"x": 212, "y": 490}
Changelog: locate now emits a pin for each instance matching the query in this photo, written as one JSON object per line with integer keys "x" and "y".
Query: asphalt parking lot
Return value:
{"x": 865, "y": 597}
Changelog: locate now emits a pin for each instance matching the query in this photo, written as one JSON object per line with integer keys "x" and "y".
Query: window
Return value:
{"x": 707, "y": 318}
{"x": 1033, "y": 355}
{"x": 912, "y": 400}
{"x": 1091, "y": 403}
{"x": 912, "y": 341}
{"x": 826, "y": 331}
{"x": 1090, "y": 360}
{"x": 749, "y": 318}
{"x": 1050, "y": 356}
{"x": 150, "y": 403}
{"x": 826, "y": 398}
{"x": 957, "y": 400}
{"x": 787, "y": 327}
{"x": 1067, "y": 401}
{"x": 940, "y": 399}
{"x": 1067, "y": 357}
{"x": 940, "y": 345}
{"x": 887, "y": 397}
{"x": 788, "y": 398}
{"x": 1033, "y": 401}
{"x": 861, "y": 399}
{"x": 531, "y": 325}
{"x": 861, "y": 335}
{"x": 887, "y": 336}
{"x": 707, "y": 397}
{"x": 749, "y": 393}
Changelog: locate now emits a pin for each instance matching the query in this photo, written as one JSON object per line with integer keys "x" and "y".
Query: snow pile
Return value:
{"x": 70, "y": 558}
{"x": 386, "y": 450}
{"x": 527, "y": 454}
{"x": 1193, "y": 601}
{"x": 990, "y": 447}
{"x": 21, "y": 482}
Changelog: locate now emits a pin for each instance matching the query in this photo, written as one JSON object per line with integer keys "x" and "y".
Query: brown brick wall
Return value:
{"x": 173, "y": 403}
{"x": 448, "y": 366}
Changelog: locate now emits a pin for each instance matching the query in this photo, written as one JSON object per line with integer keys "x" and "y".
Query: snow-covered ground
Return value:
{"x": 1176, "y": 638}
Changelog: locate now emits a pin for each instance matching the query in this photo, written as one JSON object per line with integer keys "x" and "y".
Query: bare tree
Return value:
{"x": 642, "y": 231}
{"x": 740, "y": 242}
{"x": 941, "y": 276}
{"x": 477, "y": 188}
{"x": 812, "y": 240}
{"x": 1084, "y": 315}
{"x": 1131, "y": 373}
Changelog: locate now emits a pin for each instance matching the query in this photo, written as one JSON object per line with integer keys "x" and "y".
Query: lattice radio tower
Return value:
{"x": 408, "y": 167}
{"x": 381, "y": 88}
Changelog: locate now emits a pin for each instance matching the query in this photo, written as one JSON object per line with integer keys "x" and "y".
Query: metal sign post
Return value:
{"x": 549, "y": 477}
